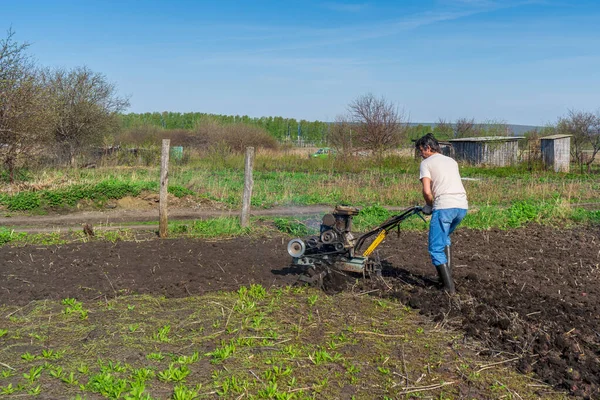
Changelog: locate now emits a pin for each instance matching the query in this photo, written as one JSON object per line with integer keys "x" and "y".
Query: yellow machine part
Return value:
{"x": 375, "y": 243}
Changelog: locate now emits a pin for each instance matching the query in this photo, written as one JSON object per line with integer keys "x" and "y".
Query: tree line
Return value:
{"x": 282, "y": 129}
{"x": 58, "y": 112}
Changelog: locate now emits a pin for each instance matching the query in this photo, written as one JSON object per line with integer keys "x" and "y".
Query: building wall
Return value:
{"x": 556, "y": 153}
{"x": 501, "y": 153}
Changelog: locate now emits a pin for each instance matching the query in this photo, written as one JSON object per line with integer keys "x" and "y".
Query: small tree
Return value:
{"x": 87, "y": 107}
{"x": 464, "y": 127}
{"x": 443, "y": 129}
{"x": 585, "y": 130}
{"x": 379, "y": 125}
{"x": 340, "y": 135}
{"x": 25, "y": 117}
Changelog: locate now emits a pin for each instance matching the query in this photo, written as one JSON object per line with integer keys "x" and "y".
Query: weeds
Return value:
{"x": 163, "y": 334}
{"x": 271, "y": 350}
{"x": 174, "y": 373}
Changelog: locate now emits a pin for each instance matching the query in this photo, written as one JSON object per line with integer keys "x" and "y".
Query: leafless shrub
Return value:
{"x": 379, "y": 124}
{"x": 585, "y": 130}
{"x": 464, "y": 127}
{"x": 236, "y": 137}
{"x": 444, "y": 129}
{"x": 341, "y": 135}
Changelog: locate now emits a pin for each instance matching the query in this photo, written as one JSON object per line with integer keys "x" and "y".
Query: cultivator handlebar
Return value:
{"x": 382, "y": 230}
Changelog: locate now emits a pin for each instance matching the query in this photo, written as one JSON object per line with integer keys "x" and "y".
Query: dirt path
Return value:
{"x": 112, "y": 219}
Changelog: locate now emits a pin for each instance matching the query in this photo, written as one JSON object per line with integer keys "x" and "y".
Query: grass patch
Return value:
{"x": 210, "y": 228}
{"x": 288, "y": 343}
{"x": 282, "y": 179}
{"x": 69, "y": 196}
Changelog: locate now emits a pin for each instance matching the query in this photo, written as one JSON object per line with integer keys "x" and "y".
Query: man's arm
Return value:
{"x": 427, "y": 193}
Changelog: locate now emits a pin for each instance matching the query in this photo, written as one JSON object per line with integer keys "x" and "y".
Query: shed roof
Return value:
{"x": 489, "y": 139}
{"x": 554, "y": 137}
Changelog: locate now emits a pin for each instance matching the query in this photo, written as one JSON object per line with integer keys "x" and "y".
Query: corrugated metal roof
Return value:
{"x": 489, "y": 139}
{"x": 553, "y": 137}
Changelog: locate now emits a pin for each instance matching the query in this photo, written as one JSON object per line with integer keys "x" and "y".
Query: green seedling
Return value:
{"x": 8, "y": 389}
{"x": 107, "y": 385}
{"x": 34, "y": 373}
{"x": 7, "y": 373}
{"x": 312, "y": 299}
{"x": 322, "y": 356}
{"x": 52, "y": 355}
{"x": 130, "y": 307}
{"x": 320, "y": 385}
{"x": 182, "y": 392}
{"x": 137, "y": 392}
{"x": 70, "y": 379}
{"x": 3, "y": 332}
{"x": 381, "y": 303}
{"x": 133, "y": 327}
{"x": 232, "y": 384}
{"x": 270, "y": 392}
{"x": 155, "y": 356}
{"x": 187, "y": 359}
{"x": 34, "y": 391}
{"x": 142, "y": 374}
{"x": 83, "y": 369}
{"x": 56, "y": 372}
{"x": 28, "y": 357}
{"x": 291, "y": 350}
{"x": 174, "y": 374}
{"x": 163, "y": 334}
{"x": 221, "y": 353}
{"x": 384, "y": 370}
{"x": 39, "y": 337}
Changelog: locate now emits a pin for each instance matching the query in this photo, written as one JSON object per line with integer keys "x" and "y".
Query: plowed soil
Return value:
{"x": 531, "y": 294}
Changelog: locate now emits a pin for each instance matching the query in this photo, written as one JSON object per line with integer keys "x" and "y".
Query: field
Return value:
{"x": 216, "y": 311}
{"x": 527, "y": 300}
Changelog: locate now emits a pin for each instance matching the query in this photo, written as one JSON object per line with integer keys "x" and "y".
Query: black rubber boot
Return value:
{"x": 448, "y": 251}
{"x": 446, "y": 278}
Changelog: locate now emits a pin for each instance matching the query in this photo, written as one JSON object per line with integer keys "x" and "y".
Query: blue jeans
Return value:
{"x": 443, "y": 223}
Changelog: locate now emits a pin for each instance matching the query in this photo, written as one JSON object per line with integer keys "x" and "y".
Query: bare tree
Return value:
{"x": 464, "y": 127}
{"x": 340, "y": 135}
{"x": 585, "y": 130}
{"x": 87, "y": 107}
{"x": 443, "y": 129}
{"x": 25, "y": 107}
{"x": 379, "y": 125}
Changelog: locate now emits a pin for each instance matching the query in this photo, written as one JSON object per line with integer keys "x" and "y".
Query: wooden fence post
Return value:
{"x": 248, "y": 184}
{"x": 164, "y": 186}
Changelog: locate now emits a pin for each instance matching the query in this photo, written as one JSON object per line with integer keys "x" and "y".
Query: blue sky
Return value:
{"x": 521, "y": 62}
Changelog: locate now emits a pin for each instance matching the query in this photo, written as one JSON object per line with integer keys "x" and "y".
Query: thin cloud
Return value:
{"x": 345, "y": 7}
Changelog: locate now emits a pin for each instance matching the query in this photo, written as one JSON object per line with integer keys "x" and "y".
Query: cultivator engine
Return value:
{"x": 336, "y": 250}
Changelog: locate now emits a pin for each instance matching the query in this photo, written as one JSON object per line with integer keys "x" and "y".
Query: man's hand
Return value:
{"x": 427, "y": 209}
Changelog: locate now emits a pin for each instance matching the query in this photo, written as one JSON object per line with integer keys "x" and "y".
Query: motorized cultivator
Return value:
{"x": 337, "y": 250}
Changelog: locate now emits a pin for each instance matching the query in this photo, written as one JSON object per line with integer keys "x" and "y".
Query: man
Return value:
{"x": 446, "y": 199}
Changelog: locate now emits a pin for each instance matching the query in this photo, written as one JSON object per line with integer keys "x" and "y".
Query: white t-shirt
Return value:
{"x": 448, "y": 190}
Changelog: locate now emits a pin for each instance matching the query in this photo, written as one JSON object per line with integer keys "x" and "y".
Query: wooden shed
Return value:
{"x": 556, "y": 152}
{"x": 499, "y": 151}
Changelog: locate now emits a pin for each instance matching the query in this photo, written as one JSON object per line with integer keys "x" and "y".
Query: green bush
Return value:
{"x": 8, "y": 235}
{"x": 291, "y": 226}
{"x": 370, "y": 217}
{"x": 113, "y": 189}
{"x": 179, "y": 191}
{"x": 23, "y": 201}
